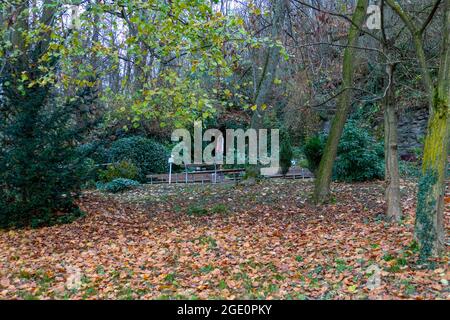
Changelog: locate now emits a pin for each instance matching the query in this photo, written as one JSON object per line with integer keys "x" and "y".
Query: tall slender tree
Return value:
{"x": 270, "y": 64}
{"x": 325, "y": 170}
{"x": 392, "y": 174}
{"x": 429, "y": 225}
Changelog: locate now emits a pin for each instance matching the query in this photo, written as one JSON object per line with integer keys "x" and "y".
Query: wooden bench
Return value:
{"x": 203, "y": 176}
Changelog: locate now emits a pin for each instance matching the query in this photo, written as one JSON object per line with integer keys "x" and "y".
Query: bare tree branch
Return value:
{"x": 430, "y": 16}
{"x": 343, "y": 16}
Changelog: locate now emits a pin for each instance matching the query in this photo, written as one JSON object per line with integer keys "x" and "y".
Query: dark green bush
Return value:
{"x": 89, "y": 173}
{"x": 40, "y": 170}
{"x": 312, "y": 150}
{"x": 359, "y": 157}
{"x": 94, "y": 151}
{"x": 123, "y": 169}
{"x": 117, "y": 185}
{"x": 286, "y": 152}
{"x": 93, "y": 154}
{"x": 147, "y": 155}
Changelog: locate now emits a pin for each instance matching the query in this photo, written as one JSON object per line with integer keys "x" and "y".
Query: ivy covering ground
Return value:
{"x": 223, "y": 241}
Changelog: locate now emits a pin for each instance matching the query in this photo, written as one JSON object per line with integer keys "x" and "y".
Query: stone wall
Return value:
{"x": 412, "y": 127}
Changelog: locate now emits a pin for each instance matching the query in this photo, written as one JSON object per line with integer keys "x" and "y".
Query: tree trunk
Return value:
{"x": 392, "y": 176}
{"x": 325, "y": 170}
{"x": 429, "y": 228}
{"x": 270, "y": 64}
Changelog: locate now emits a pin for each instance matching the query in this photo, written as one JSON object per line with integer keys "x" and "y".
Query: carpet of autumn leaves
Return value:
{"x": 226, "y": 242}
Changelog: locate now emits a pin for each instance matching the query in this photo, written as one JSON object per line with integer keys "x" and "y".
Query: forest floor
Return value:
{"x": 225, "y": 241}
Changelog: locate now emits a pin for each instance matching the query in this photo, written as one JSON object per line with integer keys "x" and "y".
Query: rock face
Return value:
{"x": 412, "y": 128}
